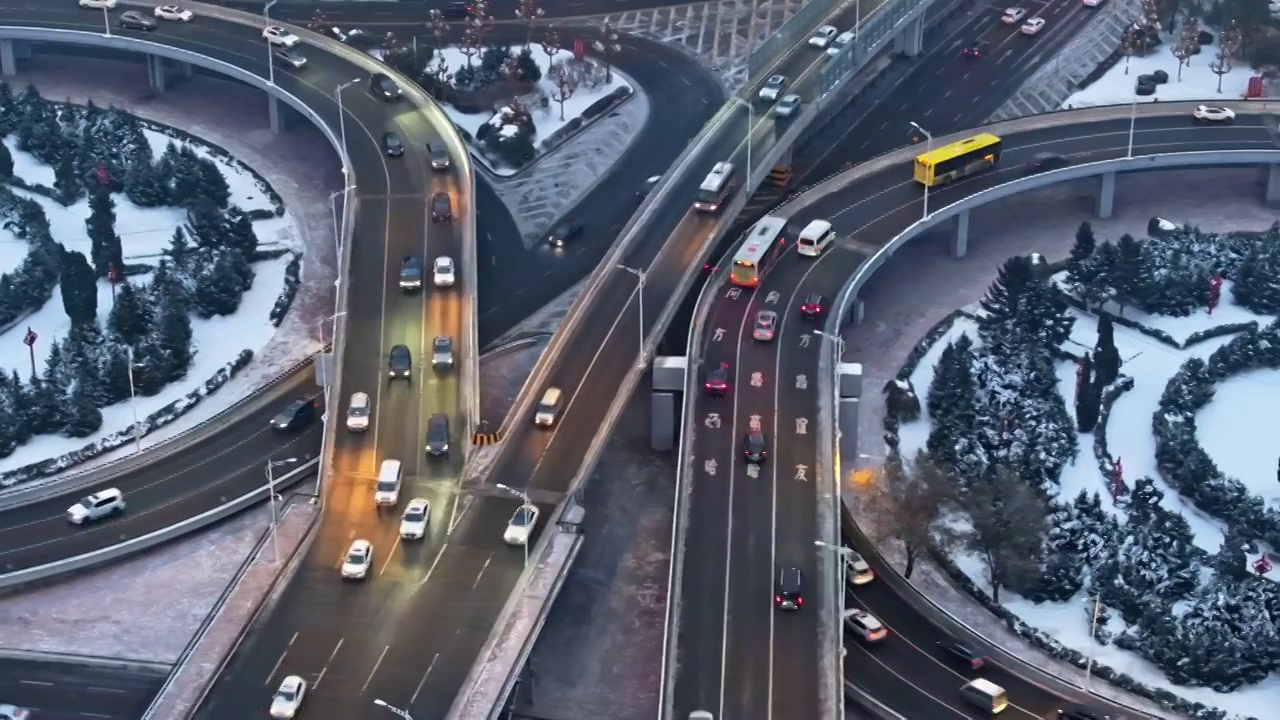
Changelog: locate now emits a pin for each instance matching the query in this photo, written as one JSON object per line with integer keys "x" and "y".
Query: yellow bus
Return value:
{"x": 960, "y": 158}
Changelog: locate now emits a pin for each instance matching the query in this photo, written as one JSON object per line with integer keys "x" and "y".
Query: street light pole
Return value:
{"x": 842, "y": 554}
{"x": 333, "y": 336}
{"x": 836, "y": 340}
{"x": 271, "y": 495}
{"x": 524, "y": 500}
{"x": 342, "y": 119}
{"x": 1133, "y": 120}
{"x": 1093, "y": 635}
{"x": 928, "y": 147}
{"x": 751, "y": 124}
{"x": 271, "y": 54}
{"x": 106, "y": 21}
{"x": 133, "y": 405}
{"x": 402, "y": 713}
{"x": 640, "y": 302}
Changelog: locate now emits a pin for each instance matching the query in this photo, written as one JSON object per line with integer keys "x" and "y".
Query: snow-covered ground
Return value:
{"x": 144, "y": 233}
{"x": 1198, "y": 82}
{"x": 1237, "y": 429}
{"x": 547, "y": 121}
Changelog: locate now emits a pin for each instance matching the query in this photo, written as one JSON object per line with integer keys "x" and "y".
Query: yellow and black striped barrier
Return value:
{"x": 780, "y": 176}
{"x": 486, "y": 438}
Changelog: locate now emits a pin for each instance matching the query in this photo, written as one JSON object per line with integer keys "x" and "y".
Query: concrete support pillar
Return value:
{"x": 910, "y": 41}
{"x": 1107, "y": 196}
{"x": 856, "y": 312}
{"x": 184, "y": 68}
{"x": 276, "y": 115}
{"x": 8, "y": 64}
{"x": 1273, "y": 185}
{"x": 960, "y": 236}
{"x": 156, "y": 73}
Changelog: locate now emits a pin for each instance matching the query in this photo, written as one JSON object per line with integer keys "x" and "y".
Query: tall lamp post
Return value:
{"x": 384, "y": 704}
{"x": 927, "y": 147}
{"x": 337, "y": 227}
{"x": 1133, "y": 121}
{"x": 271, "y": 495}
{"x": 106, "y": 21}
{"x": 342, "y": 116}
{"x": 133, "y": 404}
{"x": 271, "y": 54}
{"x": 333, "y": 335}
{"x": 835, "y": 340}
{"x": 640, "y": 301}
{"x": 524, "y": 500}
{"x": 751, "y": 124}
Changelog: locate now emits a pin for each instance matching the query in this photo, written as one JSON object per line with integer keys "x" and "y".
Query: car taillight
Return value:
{"x": 977, "y": 663}
{"x": 799, "y": 601}
{"x": 777, "y": 599}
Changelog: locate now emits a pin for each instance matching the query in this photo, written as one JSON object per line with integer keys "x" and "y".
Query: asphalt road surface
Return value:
{"x": 66, "y": 690}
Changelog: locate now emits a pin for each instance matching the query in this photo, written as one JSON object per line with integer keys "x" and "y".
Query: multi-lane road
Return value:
{"x": 66, "y": 690}
{"x": 906, "y": 671}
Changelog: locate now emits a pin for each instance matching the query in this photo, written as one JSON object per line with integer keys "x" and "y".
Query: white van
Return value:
{"x": 815, "y": 238}
{"x": 548, "y": 409}
{"x": 986, "y": 695}
{"x": 387, "y": 491}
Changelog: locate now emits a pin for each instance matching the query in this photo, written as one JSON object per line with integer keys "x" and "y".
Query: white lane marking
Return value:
{"x": 482, "y": 569}
{"x": 327, "y": 663}
{"x": 280, "y": 660}
{"x": 414, "y": 698}
{"x": 40, "y": 683}
{"x": 434, "y": 562}
{"x": 374, "y": 671}
{"x": 394, "y": 546}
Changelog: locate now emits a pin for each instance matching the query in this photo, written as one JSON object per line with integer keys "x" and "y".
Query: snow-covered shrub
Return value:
{"x": 292, "y": 281}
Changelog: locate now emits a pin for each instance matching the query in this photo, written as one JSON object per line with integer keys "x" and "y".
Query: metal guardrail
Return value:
{"x": 154, "y": 538}
{"x": 869, "y": 704}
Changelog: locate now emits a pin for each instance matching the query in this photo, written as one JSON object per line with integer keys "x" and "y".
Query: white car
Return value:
{"x": 859, "y": 572}
{"x": 288, "y": 698}
{"x": 1013, "y": 16}
{"x": 358, "y": 412}
{"x": 413, "y": 524}
{"x": 823, "y": 35}
{"x": 773, "y": 88}
{"x": 96, "y": 506}
{"x": 865, "y": 625}
{"x": 1092, "y": 3}
{"x": 1210, "y": 113}
{"x": 442, "y": 272}
{"x": 788, "y": 106}
{"x": 175, "y": 13}
{"x": 520, "y": 527}
{"x": 1033, "y": 26}
{"x": 98, "y": 4}
{"x": 840, "y": 43}
{"x": 355, "y": 566}
{"x": 276, "y": 35}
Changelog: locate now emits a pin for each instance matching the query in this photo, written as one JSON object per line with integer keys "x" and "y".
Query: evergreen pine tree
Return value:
{"x": 100, "y": 226}
{"x": 78, "y": 285}
{"x": 219, "y": 287}
{"x": 1084, "y": 246}
{"x": 1002, "y": 303}
{"x": 167, "y": 287}
{"x": 1106, "y": 358}
{"x": 130, "y": 317}
{"x": 1255, "y": 284}
{"x": 1084, "y": 269}
{"x": 142, "y": 185}
{"x": 9, "y": 420}
{"x": 47, "y": 413}
{"x": 115, "y": 373}
{"x": 83, "y": 417}
{"x": 208, "y": 226}
{"x": 22, "y": 406}
{"x": 6, "y": 162}
{"x": 240, "y": 233}
{"x": 171, "y": 335}
{"x": 85, "y": 353}
{"x": 1089, "y": 406}
{"x": 1230, "y": 560}
{"x": 213, "y": 184}
{"x": 66, "y": 180}
{"x": 1127, "y": 277}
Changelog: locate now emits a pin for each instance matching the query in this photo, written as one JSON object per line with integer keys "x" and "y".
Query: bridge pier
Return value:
{"x": 670, "y": 377}
{"x": 1106, "y": 196}
{"x": 277, "y": 115}
{"x": 960, "y": 236}
{"x": 856, "y": 312}
{"x": 185, "y": 69}
{"x": 1273, "y": 185}
{"x": 156, "y": 73}
{"x": 8, "y": 63}
{"x": 911, "y": 39}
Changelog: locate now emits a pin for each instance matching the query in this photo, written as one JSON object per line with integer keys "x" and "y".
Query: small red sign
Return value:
{"x": 1254, "y": 89}
{"x": 579, "y": 49}
{"x": 113, "y": 273}
{"x": 1261, "y": 566}
{"x": 30, "y": 338}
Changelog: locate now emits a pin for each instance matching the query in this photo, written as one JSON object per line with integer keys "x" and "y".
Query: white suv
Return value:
{"x": 96, "y": 506}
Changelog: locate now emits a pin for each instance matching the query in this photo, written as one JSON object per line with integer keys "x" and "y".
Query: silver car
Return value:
{"x": 442, "y": 354}
{"x": 788, "y": 106}
{"x": 773, "y": 88}
{"x": 766, "y": 326}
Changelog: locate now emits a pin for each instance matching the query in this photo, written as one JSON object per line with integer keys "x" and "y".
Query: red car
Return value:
{"x": 975, "y": 49}
{"x": 717, "y": 383}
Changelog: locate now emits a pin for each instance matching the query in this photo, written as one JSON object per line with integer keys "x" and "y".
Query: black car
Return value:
{"x": 295, "y": 416}
{"x": 789, "y": 595}
{"x": 400, "y": 362}
{"x": 441, "y": 208}
{"x": 564, "y": 233}
{"x": 382, "y": 86}
{"x": 1046, "y": 161}
{"x": 717, "y": 383}
{"x": 963, "y": 653}
{"x": 438, "y": 435}
{"x": 975, "y": 49}
{"x": 753, "y": 447}
{"x": 456, "y": 10}
{"x": 411, "y": 273}
{"x": 813, "y": 307}
{"x": 134, "y": 20}
{"x": 439, "y": 156}
{"x": 1080, "y": 712}
{"x": 391, "y": 144}
{"x": 292, "y": 58}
